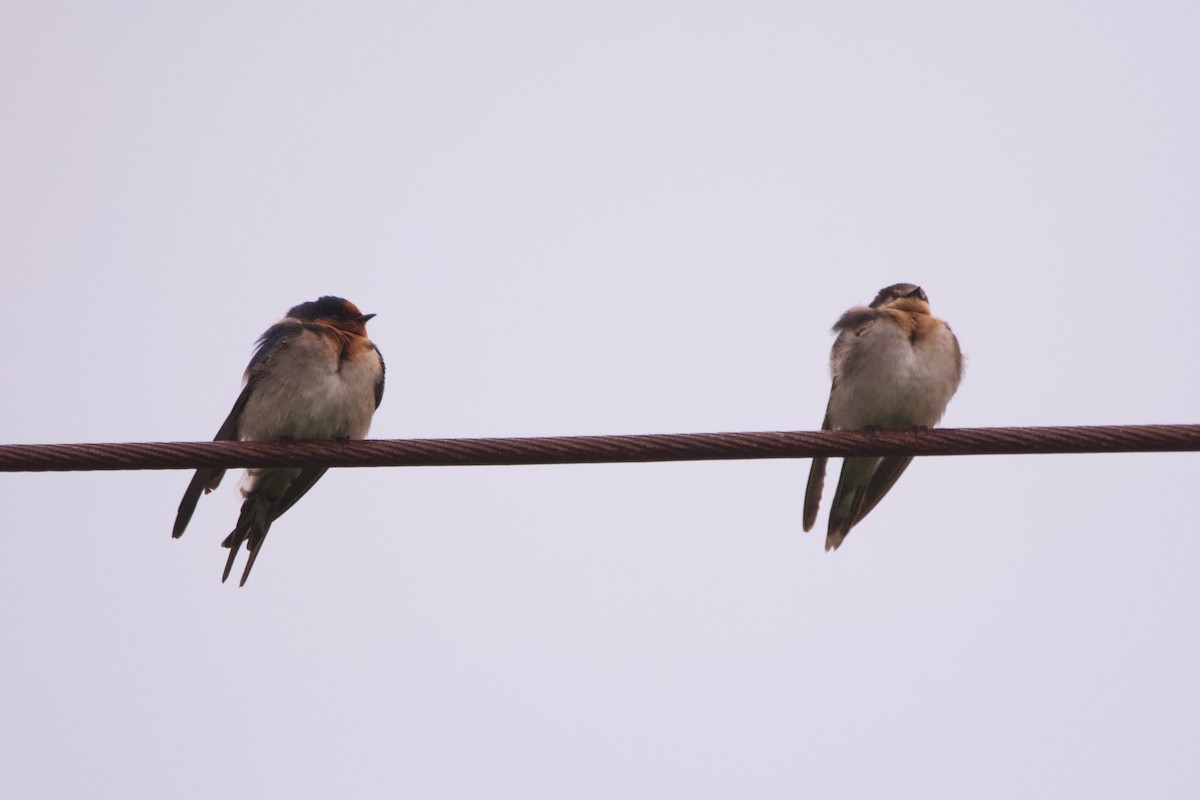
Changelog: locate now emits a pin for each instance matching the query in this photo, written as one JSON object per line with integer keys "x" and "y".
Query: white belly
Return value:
{"x": 887, "y": 381}
{"x": 309, "y": 393}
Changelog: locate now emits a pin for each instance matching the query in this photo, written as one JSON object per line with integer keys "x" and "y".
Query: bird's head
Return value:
{"x": 902, "y": 297}
{"x": 335, "y": 311}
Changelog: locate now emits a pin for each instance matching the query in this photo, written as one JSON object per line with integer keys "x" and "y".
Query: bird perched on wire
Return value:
{"x": 313, "y": 375}
{"x": 894, "y": 365}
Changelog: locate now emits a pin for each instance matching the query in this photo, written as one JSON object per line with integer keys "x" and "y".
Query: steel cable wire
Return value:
{"x": 600, "y": 449}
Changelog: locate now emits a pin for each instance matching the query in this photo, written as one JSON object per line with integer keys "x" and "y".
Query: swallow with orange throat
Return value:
{"x": 313, "y": 375}
{"x": 894, "y": 366}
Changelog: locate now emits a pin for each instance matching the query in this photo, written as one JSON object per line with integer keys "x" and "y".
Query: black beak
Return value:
{"x": 364, "y": 317}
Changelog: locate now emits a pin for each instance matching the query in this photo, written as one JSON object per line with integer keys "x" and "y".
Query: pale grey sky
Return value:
{"x": 585, "y": 219}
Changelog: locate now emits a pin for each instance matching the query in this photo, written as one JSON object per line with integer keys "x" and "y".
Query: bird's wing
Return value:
{"x": 883, "y": 479}
{"x": 862, "y": 484}
{"x": 205, "y": 480}
{"x": 845, "y": 357}
{"x": 297, "y": 489}
{"x": 849, "y": 327}
{"x": 848, "y": 498}
{"x": 816, "y": 483}
{"x": 379, "y": 383}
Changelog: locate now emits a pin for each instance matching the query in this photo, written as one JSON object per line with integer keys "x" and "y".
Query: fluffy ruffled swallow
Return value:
{"x": 894, "y": 365}
{"x": 313, "y": 375}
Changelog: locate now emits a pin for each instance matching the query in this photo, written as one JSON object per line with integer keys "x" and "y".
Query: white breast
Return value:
{"x": 883, "y": 378}
{"x": 307, "y": 392}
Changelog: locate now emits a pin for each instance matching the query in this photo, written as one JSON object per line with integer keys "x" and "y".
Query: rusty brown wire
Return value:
{"x": 599, "y": 449}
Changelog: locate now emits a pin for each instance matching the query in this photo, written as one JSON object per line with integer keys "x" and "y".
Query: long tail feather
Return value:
{"x": 233, "y": 551}
{"x": 205, "y": 480}
{"x": 848, "y": 498}
{"x": 812, "y": 493}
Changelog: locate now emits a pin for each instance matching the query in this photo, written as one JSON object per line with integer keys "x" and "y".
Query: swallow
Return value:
{"x": 894, "y": 365}
{"x": 314, "y": 375}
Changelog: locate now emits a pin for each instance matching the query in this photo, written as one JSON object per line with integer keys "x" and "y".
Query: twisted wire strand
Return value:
{"x": 599, "y": 449}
